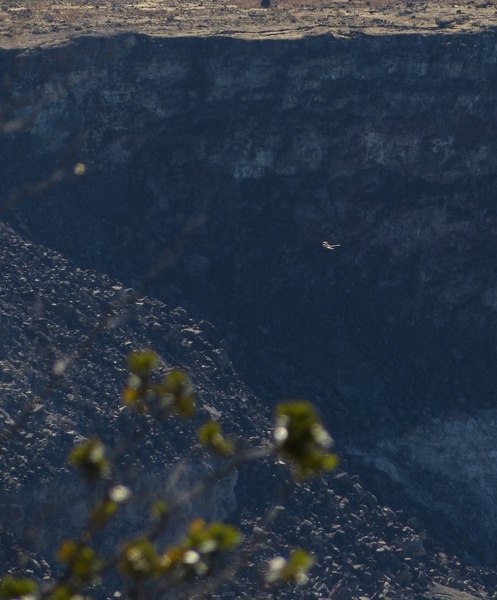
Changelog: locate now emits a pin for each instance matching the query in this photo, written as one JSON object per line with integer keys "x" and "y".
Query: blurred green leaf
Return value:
{"x": 211, "y": 537}
{"x": 143, "y": 363}
{"x": 172, "y": 557}
{"x": 302, "y": 440}
{"x": 194, "y": 555}
{"x": 90, "y": 459}
{"x": 139, "y": 559}
{"x": 293, "y": 570}
{"x": 82, "y": 560}
{"x": 131, "y": 396}
{"x": 159, "y": 509}
{"x": 102, "y": 512}
{"x": 17, "y": 587}
{"x": 210, "y": 435}
{"x": 176, "y": 394}
{"x": 62, "y": 592}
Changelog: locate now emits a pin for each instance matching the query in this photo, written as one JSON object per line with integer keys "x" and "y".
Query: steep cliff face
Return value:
{"x": 260, "y": 155}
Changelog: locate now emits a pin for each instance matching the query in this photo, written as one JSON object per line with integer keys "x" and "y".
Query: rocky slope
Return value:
{"x": 366, "y": 546}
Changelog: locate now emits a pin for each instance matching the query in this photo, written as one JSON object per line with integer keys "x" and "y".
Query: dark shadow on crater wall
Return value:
{"x": 391, "y": 326}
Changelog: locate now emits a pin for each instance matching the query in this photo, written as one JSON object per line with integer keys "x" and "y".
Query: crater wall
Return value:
{"x": 259, "y": 156}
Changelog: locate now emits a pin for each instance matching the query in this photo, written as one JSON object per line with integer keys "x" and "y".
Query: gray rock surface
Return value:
{"x": 239, "y": 165}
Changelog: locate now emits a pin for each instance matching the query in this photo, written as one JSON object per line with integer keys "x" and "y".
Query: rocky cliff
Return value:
{"x": 253, "y": 159}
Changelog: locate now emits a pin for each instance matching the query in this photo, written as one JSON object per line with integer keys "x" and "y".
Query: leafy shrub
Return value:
{"x": 145, "y": 564}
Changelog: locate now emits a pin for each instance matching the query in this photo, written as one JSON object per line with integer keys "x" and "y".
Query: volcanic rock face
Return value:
{"x": 249, "y": 161}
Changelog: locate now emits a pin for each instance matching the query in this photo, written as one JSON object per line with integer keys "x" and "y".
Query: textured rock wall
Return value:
{"x": 419, "y": 106}
{"x": 448, "y": 466}
{"x": 384, "y": 145}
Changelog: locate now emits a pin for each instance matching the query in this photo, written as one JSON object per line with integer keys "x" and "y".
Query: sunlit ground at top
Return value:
{"x": 44, "y": 22}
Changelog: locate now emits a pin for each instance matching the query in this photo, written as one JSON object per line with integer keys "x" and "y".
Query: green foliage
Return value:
{"x": 90, "y": 459}
{"x": 193, "y": 556}
{"x": 210, "y": 435}
{"x": 102, "y": 512}
{"x": 140, "y": 559}
{"x": 174, "y": 395}
{"x": 62, "y": 592}
{"x": 207, "y": 538}
{"x": 302, "y": 440}
{"x": 82, "y": 560}
{"x": 293, "y": 570}
{"x": 299, "y": 438}
{"x": 142, "y": 364}
{"x": 17, "y": 587}
{"x": 159, "y": 509}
